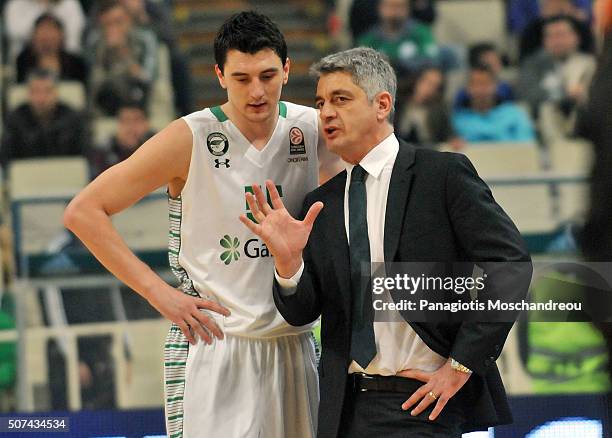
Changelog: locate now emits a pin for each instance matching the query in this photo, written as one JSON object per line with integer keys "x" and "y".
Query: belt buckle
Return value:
{"x": 365, "y": 377}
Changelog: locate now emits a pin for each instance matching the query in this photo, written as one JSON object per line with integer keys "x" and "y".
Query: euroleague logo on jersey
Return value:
{"x": 296, "y": 145}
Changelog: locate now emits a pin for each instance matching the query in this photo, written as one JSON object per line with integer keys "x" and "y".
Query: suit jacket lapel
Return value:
{"x": 399, "y": 188}
{"x": 339, "y": 247}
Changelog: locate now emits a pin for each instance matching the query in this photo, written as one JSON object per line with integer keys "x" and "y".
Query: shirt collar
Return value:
{"x": 380, "y": 155}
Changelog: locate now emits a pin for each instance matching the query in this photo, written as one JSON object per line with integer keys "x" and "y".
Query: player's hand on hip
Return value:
{"x": 440, "y": 386}
{"x": 184, "y": 311}
{"x": 284, "y": 235}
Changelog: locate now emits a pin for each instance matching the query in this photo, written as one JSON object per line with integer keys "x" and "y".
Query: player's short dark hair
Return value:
{"x": 249, "y": 32}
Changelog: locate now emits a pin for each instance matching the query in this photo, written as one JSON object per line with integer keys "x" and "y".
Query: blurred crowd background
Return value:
{"x": 85, "y": 82}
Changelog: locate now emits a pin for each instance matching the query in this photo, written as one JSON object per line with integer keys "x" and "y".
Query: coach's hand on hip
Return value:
{"x": 284, "y": 235}
{"x": 440, "y": 386}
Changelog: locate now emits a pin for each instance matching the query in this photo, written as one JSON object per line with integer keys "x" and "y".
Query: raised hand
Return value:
{"x": 284, "y": 235}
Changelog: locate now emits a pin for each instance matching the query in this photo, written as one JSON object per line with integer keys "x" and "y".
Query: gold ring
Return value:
{"x": 431, "y": 394}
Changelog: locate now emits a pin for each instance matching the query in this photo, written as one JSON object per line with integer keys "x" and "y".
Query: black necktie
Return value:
{"x": 363, "y": 346}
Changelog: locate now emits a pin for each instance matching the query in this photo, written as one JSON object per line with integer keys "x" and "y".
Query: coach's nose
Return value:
{"x": 326, "y": 111}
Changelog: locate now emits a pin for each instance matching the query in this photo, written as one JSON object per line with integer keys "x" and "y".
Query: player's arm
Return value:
{"x": 162, "y": 160}
{"x": 330, "y": 164}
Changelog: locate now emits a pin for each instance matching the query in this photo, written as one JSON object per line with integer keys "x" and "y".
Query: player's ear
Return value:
{"x": 220, "y": 76}
{"x": 286, "y": 71}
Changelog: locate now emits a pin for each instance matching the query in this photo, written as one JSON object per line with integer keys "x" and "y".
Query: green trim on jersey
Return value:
{"x": 218, "y": 113}
{"x": 282, "y": 109}
{"x": 222, "y": 117}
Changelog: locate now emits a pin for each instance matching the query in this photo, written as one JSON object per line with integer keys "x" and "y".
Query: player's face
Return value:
{"x": 253, "y": 82}
{"x": 350, "y": 121}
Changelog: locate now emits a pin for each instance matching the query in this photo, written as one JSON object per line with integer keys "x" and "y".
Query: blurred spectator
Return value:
{"x": 407, "y": 43}
{"x": 424, "y": 118}
{"x": 20, "y": 16}
{"x": 43, "y": 126}
{"x": 556, "y": 79}
{"x": 486, "y": 54}
{"x": 46, "y": 51}
{"x": 523, "y": 12}
{"x": 487, "y": 120}
{"x": 532, "y": 35}
{"x": 363, "y": 14}
{"x": 152, "y": 15}
{"x": 423, "y": 10}
{"x": 133, "y": 130}
{"x": 123, "y": 59}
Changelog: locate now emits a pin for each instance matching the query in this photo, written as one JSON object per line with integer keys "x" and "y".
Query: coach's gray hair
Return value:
{"x": 369, "y": 69}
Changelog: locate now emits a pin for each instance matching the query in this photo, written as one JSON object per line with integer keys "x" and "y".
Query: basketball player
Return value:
{"x": 251, "y": 374}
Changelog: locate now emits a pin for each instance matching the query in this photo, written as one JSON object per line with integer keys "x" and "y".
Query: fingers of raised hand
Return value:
{"x": 313, "y": 212}
{"x": 262, "y": 203}
{"x": 254, "y": 206}
{"x": 275, "y": 198}
{"x": 255, "y": 228}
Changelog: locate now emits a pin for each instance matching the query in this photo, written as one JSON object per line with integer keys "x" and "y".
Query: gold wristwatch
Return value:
{"x": 458, "y": 367}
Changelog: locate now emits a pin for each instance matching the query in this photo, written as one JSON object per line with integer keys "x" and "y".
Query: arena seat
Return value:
{"x": 40, "y": 223}
{"x": 71, "y": 93}
{"x": 503, "y": 159}
{"x": 470, "y": 21}
{"x": 529, "y": 206}
{"x": 571, "y": 156}
{"x": 103, "y": 129}
{"x": 144, "y": 226}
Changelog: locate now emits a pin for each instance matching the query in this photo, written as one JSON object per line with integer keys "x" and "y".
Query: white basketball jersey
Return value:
{"x": 212, "y": 253}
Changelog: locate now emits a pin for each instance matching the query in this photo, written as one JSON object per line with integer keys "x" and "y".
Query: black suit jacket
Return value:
{"x": 438, "y": 209}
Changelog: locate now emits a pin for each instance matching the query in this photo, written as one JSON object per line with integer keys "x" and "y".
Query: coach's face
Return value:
{"x": 253, "y": 82}
{"x": 352, "y": 125}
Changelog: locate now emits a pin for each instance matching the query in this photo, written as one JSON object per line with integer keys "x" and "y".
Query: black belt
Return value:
{"x": 364, "y": 382}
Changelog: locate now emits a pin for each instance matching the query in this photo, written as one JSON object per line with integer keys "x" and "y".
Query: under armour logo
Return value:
{"x": 219, "y": 162}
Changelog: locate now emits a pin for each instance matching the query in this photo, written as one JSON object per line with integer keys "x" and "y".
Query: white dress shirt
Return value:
{"x": 398, "y": 345}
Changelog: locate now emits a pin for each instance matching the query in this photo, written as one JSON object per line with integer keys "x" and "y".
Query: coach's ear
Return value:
{"x": 220, "y": 76}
